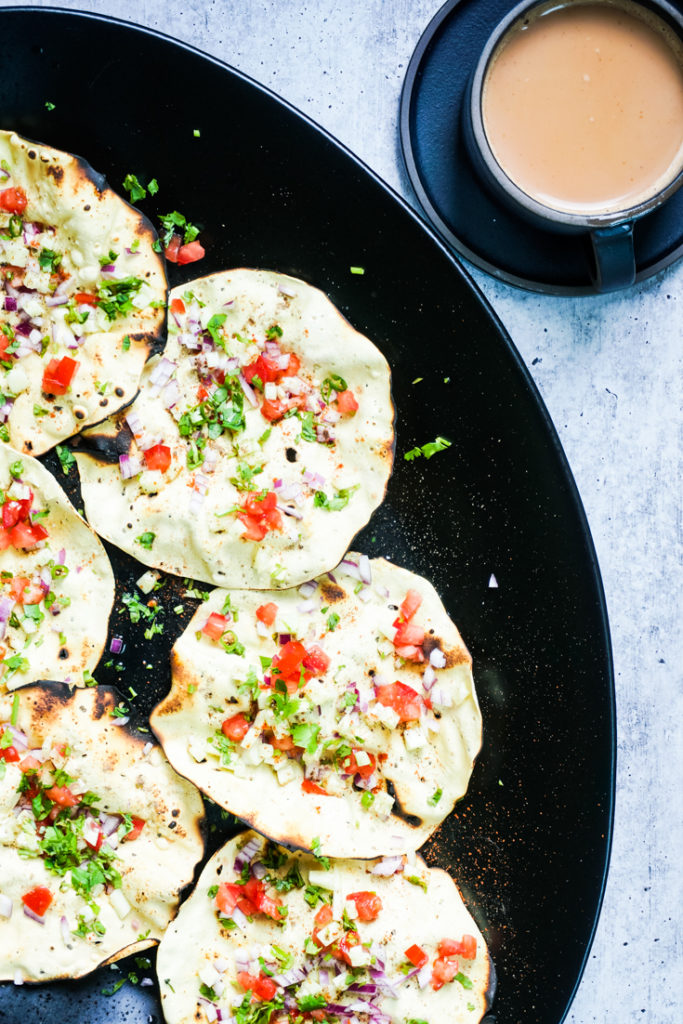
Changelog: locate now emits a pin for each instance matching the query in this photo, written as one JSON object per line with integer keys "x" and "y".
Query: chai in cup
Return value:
{"x": 582, "y": 105}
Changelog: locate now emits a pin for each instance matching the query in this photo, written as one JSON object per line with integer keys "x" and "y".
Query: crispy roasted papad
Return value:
{"x": 79, "y": 284}
{"x": 261, "y": 441}
{"x": 93, "y": 816}
{"x": 325, "y": 728}
{"x": 404, "y": 949}
{"x": 56, "y": 582}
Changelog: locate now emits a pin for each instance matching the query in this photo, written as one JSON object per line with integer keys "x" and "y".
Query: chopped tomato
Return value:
{"x": 94, "y": 838}
{"x": 30, "y": 764}
{"x": 323, "y": 916}
{"x": 351, "y": 766}
{"x": 5, "y": 539}
{"x": 172, "y": 249}
{"x": 467, "y": 947}
{"x": 309, "y": 786}
{"x": 215, "y": 626}
{"x": 255, "y": 892}
{"x": 236, "y": 728}
{"x": 58, "y": 374}
{"x": 15, "y": 511}
{"x": 444, "y": 970}
{"x": 316, "y": 662}
{"x": 266, "y": 613}
{"x": 368, "y": 904}
{"x": 410, "y": 604}
{"x": 321, "y": 919}
{"x": 273, "y": 410}
{"x": 9, "y": 754}
{"x": 26, "y": 535}
{"x": 405, "y": 701}
{"x": 158, "y": 457}
{"x": 282, "y": 742}
{"x": 230, "y": 896}
{"x": 177, "y": 306}
{"x": 63, "y": 796}
{"x": 25, "y": 592}
{"x": 410, "y": 652}
{"x": 38, "y": 899}
{"x": 138, "y": 825}
{"x": 190, "y": 253}
{"x": 347, "y": 403}
{"x": 260, "y": 514}
{"x": 409, "y": 634}
{"x": 266, "y": 369}
{"x": 288, "y": 661}
{"x": 261, "y": 986}
{"x": 416, "y": 955}
{"x": 85, "y": 299}
{"x": 346, "y": 943}
{"x": 13, "y": 200}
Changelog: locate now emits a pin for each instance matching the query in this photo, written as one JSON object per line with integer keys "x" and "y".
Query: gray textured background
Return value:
{"x": 609, "y": 370}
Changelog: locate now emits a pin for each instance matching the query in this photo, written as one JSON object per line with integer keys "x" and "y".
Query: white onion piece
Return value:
{"x": 306, "y": 607}
{"x": 121, "y": 720}
{"x": 288, "y": 510}
{"x": 424, "y": 975}
{"x": 437, "y": 658}
{"x": 364, "y": 594}
{"x": 18, "y": 978}
{"x": 171, "y": 393}
{"x": 440, "y": 698}
{"x": 261, "y": 628}
{"x": 66, "y": 931}
{"x": 6, "y": 906}
{"x": 285, "y": 289}
{"x": 161, "y": 374}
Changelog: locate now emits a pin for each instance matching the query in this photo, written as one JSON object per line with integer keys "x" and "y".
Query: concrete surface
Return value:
{"x": 609, "y": 369}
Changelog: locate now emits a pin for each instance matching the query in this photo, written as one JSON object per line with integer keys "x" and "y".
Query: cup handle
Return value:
{"x": 614, "y": 263}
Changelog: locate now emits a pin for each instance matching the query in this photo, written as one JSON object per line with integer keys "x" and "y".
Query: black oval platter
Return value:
{"x": 529, "y": 844}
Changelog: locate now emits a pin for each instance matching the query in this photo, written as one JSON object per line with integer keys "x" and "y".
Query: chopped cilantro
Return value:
{"x": 429, "y": 449}
{"x": 315, "y": 849}
{"x": 49, "y": 105}
{"x": 172, "y": 222}
{"x": 464, "y": 980}
{"x": 146, "y": 540}
{"x": 357, "y": 270}
{"x": 16, "y": 469}
{"x": 66, "y": 458}
{"x": 435, "y": 797}
{"x": 332, "y": 623}
{"x": 308, "y": 1003}
{"x": 338, "y": 502}
{"x": 135, "y": 189}
{"x": 306, "y": 735}
{"x": 416, "y": 880}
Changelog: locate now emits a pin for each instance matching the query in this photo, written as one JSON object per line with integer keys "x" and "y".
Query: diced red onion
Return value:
{"x": 437, "y": 658}
{"x": 197, "y": 499}
{"x": 171, "y": 393}
{"x": 135, "y": 423}
{"x": 388, "y": 866}
{"x": 314, "y": 480}
{"x": 290, "y": 492}
{"x": 10, "y": 304}
{"x": 284, "y": 638}
{"x": 6, "y": 606}
{"x": 306, "y": 607}
{"x": 121, "y": 720}
{"x": 19, "y": 738}
{"x": 351, "y": 569}
{"x": 289, "y": 510}
{"x": 247, "y": 853}
{"x": 107, "y": 268}
{"x": 424, "y": 975}
{"x": 32, "y": 914}
{"x": 161, "y": 374}
{"x": 291, "y": 977}
{"x": 5, "y": 410}
{"x": 129, "y": 466}
{"x": 428, "y": 677}
{"x": 116, "y": 644}
{"x": 210, "y": 460}
{"x": 308, "y": 588}
{"x": 440, "y": 698}
{"x": 66, "y": 931}
{"x": 364, "y": 569}
{"x": 364, "y": 594}
{"x": 248, "y": 391}
{"x": 109, "y": 823}
{"x": 146, "y": 983}
{"x": 190, "y": 341}
{"x": 56, "y": 300}
{"x": 259, "y": 870}
{"x": 239, "y": 918}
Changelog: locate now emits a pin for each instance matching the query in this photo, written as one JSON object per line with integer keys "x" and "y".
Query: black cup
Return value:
{"x": 611, "y": 233}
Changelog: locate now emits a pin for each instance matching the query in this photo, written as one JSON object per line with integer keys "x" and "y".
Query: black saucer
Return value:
{"x": 463, "y": 212}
